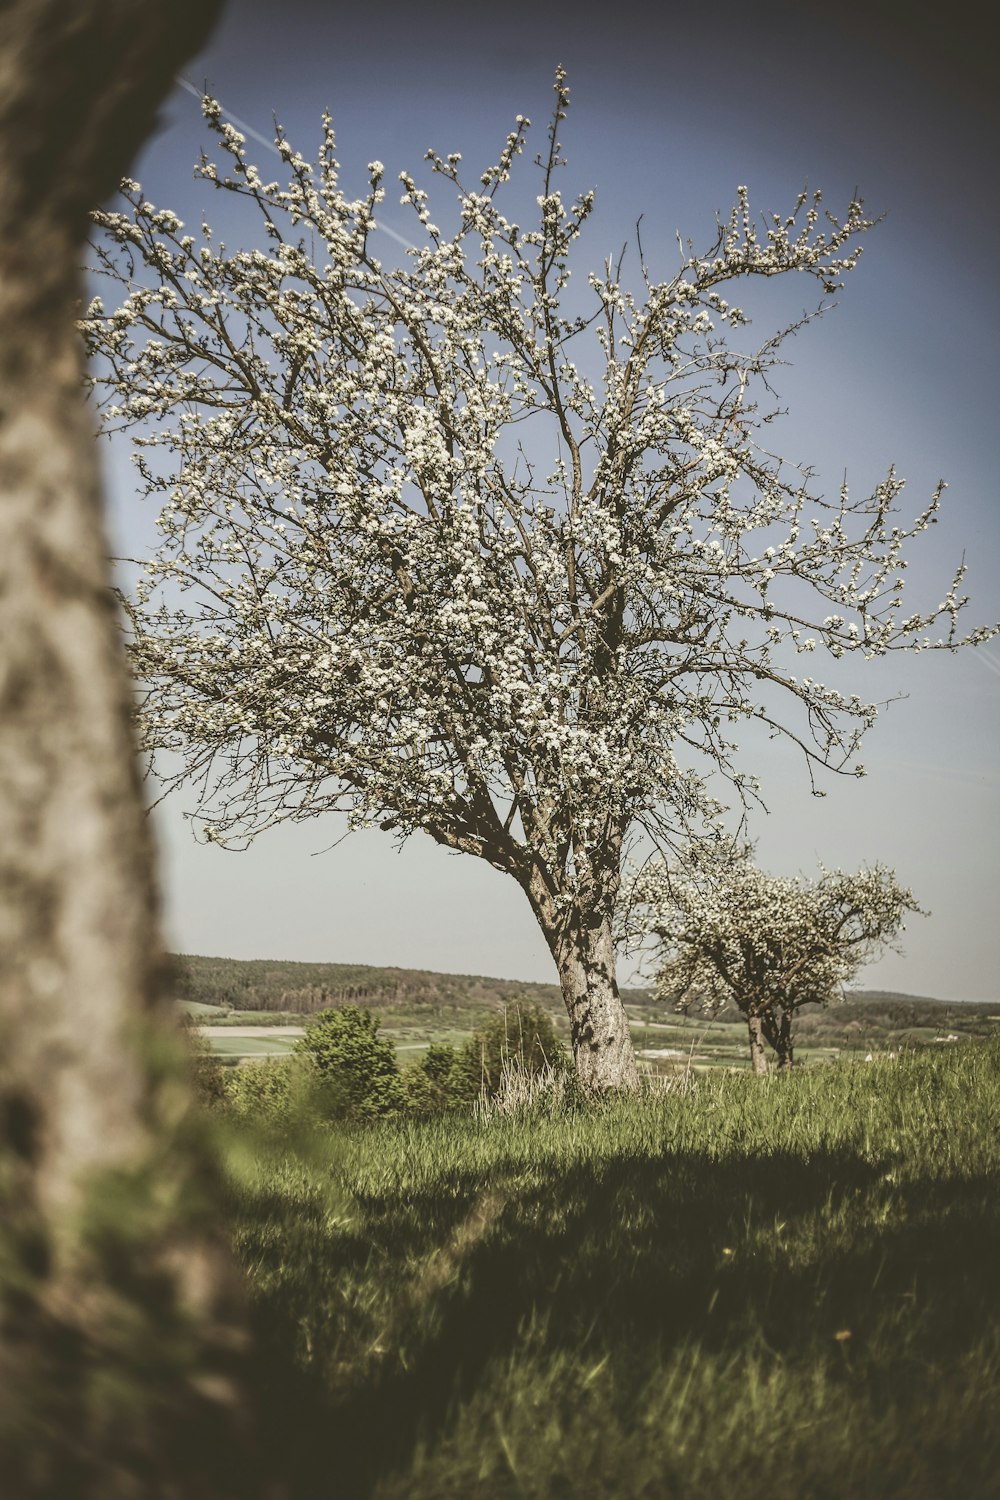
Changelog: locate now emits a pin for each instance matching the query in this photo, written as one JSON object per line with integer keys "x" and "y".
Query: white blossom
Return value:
{"x": 722, "y": 933}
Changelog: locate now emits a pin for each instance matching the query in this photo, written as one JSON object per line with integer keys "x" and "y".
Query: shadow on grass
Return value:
{"x": 628, "y": 1258}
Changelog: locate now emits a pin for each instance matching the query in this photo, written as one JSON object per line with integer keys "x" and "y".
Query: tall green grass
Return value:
{"x": 780, "y": 1288}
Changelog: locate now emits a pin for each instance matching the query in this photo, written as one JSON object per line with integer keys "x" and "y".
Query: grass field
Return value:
{"x": 668, "y": 1043}
{"x": 224, "y": 1044}
{"x": 231, "y": 1041}
{"x": 781, "y": 1288}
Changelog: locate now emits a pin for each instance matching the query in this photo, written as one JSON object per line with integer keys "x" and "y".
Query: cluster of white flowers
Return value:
{"x": 364, "y": 595}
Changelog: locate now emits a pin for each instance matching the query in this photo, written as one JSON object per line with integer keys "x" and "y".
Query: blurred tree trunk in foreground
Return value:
{"x": 122, "y": 1339}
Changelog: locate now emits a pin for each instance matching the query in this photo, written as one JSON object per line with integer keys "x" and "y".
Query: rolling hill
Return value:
{"x": 444, "y": 1001}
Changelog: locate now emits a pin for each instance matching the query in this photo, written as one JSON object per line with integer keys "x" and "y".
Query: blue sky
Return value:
{"x": 669, "y": 114}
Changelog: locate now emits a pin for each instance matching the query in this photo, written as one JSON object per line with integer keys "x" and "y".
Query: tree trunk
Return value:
{"x": 783, "y": 1044}
{"x": 758, "y": 1053}
{"x": 778, "y": 1033}
{"x": 582, "y": 945}
{"x": 599, "y": 1026}
{"x": 121, "y": 1320}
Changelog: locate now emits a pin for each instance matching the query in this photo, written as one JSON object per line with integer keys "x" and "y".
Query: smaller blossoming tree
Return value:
{"x": 726, "y": 933}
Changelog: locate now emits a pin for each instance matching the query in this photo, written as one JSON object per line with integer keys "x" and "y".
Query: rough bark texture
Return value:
{"x": 580, "y": 940}
{"x": 93, "y": 1109}
{"x": 602, "y": 1042}
{"x": 778, "y": 1034}
{"x": 758, "y": 1054}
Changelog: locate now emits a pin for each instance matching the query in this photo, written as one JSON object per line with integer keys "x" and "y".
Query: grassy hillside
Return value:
{"x": 766, "y": 1289}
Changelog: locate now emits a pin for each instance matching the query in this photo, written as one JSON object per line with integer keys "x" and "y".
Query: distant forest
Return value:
{"x": 302, "y": 988}
{"x": 278, "y": 985}
{"x": 884, "y": 1018}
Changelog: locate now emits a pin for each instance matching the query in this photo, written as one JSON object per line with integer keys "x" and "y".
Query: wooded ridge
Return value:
{"x": 284, "y": 985}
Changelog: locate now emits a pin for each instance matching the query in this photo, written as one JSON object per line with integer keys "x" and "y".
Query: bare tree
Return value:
{"x": 455, "y": 550}
{"x": 121, "y": 1323}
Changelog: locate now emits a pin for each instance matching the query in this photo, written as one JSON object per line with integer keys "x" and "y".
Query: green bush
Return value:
{"x": 429, "y": 1084}
{"x": 523, "y": 1036}
{"x": 357, "y": 1072}
{"x": 208, "y": 1079}
{"x": 274, "y": 1090}
{"x": 206, "y": 1072}
{"x": 521, "y": 1041}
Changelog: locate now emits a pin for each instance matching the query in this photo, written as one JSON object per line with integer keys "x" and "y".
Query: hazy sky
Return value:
{"x": 669, "y": 114}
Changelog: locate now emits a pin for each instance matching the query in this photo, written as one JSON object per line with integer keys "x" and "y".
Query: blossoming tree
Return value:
{"x": 450, "y": 550}
{"x": 728, "y": 934}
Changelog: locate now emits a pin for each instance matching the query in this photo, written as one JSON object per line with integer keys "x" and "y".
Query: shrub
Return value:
{"x": 523, "y": 1036}
{"x": 205, "y": 1069}
{"x": 358, "y": 1075}
{"x": 430, "y": 1083}
{"x": 521, "y": 1042}
{"x": 208, "y": 1077}
{"x": 275, "y": 1090}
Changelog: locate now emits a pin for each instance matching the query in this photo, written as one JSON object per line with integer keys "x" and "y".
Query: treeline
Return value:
{"x": 304, "y": 988}
{"x": 882, "y": 1018}
{"x": 890, "y": 1018}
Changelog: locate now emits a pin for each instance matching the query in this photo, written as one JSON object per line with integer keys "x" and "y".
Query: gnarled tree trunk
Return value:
{"x": 758, "y": 1052}
{"x": 121, "y": 1322}
{"x": 778, "y": 1030}
{"x": 579, "y": 936}
{"x": 599, "y": 1026}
